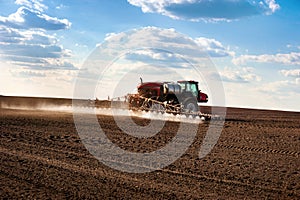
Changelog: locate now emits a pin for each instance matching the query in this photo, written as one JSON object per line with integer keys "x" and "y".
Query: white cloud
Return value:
{"x": 33, "y": 4}
{"x": 239, "y": 75}
{"x": 274, "y": 95}
{"x": 282, "y": 88}
{"x": 30, "y": 73}
{"x": 290, "y": 73}
{"x": 214, "y": 47}
{"x": 298, "y": 81}
{"x": 153, "y": 54}
{"x": 33, "y": 49}
{"x": 272, "y": 5}
{"x": 168, "y": 39}
{"x": 29, "y": 82}
{"x": 208, "y": 10}
{"x": 60, "y": 6}
{"x": 25, "y": 18}
{"x": 163, "y": 39}
{"x": 292, "y": 58}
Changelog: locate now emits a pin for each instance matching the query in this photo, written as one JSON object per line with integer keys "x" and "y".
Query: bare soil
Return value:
{"x": 256, "y": 157}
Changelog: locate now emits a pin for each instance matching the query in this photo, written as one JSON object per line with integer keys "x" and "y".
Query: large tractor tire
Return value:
{"x": 190, "y": 106}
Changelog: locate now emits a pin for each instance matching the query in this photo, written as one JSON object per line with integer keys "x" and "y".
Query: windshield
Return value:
{"x": 193, "y": 88}
{"x": 189, "y": 87}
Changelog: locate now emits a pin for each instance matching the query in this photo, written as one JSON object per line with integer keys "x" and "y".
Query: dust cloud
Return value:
{"x": 107, "y": 112}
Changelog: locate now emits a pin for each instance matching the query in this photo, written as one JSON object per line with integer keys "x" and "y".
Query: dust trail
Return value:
{"x": 45, "y": 107}
{"x": 109, "y": 112}
{"x": 141, "y": 114}
{"x": 167, "y": 117}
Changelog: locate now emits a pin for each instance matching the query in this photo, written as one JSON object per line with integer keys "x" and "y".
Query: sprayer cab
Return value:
{"x": 192, "y": 86}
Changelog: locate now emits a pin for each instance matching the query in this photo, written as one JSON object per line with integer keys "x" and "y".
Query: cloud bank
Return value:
{"x": 27, "y": 40}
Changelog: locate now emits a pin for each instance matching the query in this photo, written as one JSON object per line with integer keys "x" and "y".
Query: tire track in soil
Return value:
{"x": 260, "y": 150}
{"x": 263, "y": 123}
{"x": 279, "y": 131}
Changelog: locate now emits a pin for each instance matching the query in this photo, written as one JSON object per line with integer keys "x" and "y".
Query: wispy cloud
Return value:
{"x": 33, "y": 4}
{"x": 60, "y": 6}
{"x": 283, "y": 88}
{"x": 291, "y": 73}
{"x": 30, "y": 73}
{"x": 208, "y": 10}
{"x": 273, "y": 6}
{"x": 292, "y": 58}
{"x": 214, "y": 47}
{"x": 239, "y": 75}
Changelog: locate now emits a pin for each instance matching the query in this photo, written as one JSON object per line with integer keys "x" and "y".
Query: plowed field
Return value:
{"x": 256, "y": 157}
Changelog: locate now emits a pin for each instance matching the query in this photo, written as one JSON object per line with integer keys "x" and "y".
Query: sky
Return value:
{"x": 47, "y": 47}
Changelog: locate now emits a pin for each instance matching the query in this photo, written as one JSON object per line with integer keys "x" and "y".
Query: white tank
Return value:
{"x": 172, "y": 88}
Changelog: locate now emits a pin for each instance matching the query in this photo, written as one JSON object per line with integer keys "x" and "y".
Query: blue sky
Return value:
{"x": 254, "y": 45}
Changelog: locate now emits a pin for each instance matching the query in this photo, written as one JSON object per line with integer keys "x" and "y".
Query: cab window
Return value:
{"x": 193, "y": 89}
